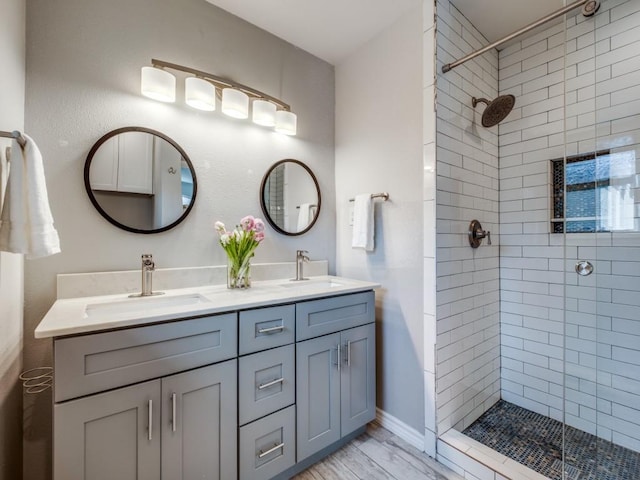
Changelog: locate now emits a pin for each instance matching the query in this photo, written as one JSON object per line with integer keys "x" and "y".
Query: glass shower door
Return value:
{"x": 601, "y": 236}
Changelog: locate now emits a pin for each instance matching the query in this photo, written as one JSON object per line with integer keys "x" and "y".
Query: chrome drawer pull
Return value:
{"x": 150, "y": 408}
{"x": 262, "y": 386}
{"x": 272, "y": 329}
{"x": 271, "y": 450}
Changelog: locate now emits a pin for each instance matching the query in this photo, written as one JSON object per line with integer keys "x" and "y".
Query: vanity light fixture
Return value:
{"x": 202, "y": 89}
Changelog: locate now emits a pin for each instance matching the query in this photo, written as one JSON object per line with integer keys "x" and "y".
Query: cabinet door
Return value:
{"x": 318, "y": 394}
{"x": 199, "y": 423}
{"x": 103, "y": 174}
{"x": 358, "y": 379}
{"x": 109, "y": 435}
{"x": 135, "y": 166}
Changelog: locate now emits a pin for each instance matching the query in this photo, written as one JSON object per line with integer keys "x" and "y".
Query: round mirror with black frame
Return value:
{"x": 290, "y": 197}
{"x": 140, "y": 180}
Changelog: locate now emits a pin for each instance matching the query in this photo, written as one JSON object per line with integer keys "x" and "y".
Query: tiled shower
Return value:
{"x": 514, "y": 320}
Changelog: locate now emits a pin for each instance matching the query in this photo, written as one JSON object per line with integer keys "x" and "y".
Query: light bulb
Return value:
{"x": 158, "y": 84}
{"x": 235, "y": 103}
{"x": 200, "y": 94}
{"x": 264, "y": 113}
{"x": 286, "y": 122}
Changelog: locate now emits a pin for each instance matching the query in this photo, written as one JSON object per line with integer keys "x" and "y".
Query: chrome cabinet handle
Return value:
{"x": 174, "y": 420}
{"x": 271, "y": 450}
{"x": 262, "y": 386}
{"x": 150, "y": 410}
{"x": 272, "y": 329}
{"x": 338, "y": 356}
{"x": 349, "y": 353}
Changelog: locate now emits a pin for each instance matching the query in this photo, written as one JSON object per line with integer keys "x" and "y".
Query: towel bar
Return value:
{"x": 15, "y": 134}
{"x": 383, "y": 195}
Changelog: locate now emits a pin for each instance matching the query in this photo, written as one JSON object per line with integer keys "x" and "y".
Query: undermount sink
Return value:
{"x": 135, "y": 305}
{"x": 311, "y": 284}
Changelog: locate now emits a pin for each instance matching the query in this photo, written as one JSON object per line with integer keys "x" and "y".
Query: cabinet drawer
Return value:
{"x": 321, "y": 317}
{"x": 266, "y": 328}
{"x": 102, "y": 361}
{"x": 266, "y": 382}
{"x": 267, "y": 446}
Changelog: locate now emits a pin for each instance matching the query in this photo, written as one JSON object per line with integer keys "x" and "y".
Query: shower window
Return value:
{"x": 595, "y": 191}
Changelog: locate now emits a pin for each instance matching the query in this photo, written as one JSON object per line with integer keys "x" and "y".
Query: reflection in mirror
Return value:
{"x": 140, "y": 180}
{"x": 290, "y": 197}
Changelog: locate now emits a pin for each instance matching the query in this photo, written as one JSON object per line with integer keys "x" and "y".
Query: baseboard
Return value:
{"x": 401, "y": 429}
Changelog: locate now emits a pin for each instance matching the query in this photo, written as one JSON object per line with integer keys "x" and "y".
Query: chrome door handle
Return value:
{"x": 150, "y": 410}
{"x": 271, "y": 450}
{"x": 338, "y": 356}
{"x": 262, "y": 386}
{"x": 174, "y": 420}
{"x": 349, "y": 353}
{"x": 272, "y": 329}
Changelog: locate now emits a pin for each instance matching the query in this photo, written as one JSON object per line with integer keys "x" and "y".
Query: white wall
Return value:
{"x": 378, "y": 149}
{"x": 12, "y": 59}
{"x": 83, "y": 79}
{"x": 601, "y": 326}
{"x": 468, "y": 324}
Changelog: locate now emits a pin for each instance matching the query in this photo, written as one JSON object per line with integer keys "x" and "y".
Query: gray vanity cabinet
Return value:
{"x": 117, "y": 434}
{"x": 152, "y": 402}
{"x": 255, "y": 394}
{"x": 335, "y": 373}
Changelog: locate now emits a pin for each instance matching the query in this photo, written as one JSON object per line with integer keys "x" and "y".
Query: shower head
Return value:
{"x": 496, "y": 110}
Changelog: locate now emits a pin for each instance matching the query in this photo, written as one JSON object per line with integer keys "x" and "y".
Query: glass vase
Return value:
{"x": 239, "y": 273}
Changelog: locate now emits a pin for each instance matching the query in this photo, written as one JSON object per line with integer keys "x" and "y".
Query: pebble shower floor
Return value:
{"x": 536, "y": 441}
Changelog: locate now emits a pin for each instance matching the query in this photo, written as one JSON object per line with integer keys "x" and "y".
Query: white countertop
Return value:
{"x": 91, "y": 314}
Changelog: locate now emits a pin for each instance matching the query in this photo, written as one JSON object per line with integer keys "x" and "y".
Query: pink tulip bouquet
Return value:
{"x": 240, "y": 245}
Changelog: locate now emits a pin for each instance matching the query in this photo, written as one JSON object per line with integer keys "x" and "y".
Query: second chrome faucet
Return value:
{"x": 301, "y": 257}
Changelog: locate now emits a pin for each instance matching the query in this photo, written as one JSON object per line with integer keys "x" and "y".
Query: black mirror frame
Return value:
{"x": 87, "y": 183}
{"x": 264, "y": 207}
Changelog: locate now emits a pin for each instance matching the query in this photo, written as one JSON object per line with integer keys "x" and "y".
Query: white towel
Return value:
{"x": 304, "y": 216}
{"x": 363, "y": 222}
{"x": 26, "y": 224}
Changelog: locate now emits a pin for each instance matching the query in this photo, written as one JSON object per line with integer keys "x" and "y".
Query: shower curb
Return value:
{"x": 471, "y": 456}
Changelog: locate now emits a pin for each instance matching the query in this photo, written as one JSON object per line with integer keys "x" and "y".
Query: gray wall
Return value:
{"x": 379, "y": 149}
{"x": 12, "y": 46}
{"x": 83, "y": 79}
{"x": 468, "y": 323}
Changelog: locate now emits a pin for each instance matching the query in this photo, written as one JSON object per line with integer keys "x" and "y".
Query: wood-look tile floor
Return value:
{"x": 376, "y": 455}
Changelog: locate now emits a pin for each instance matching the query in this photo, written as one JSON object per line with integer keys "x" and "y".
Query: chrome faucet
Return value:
{"x": 300, "y": 259}
{"x": 148, "y": 267}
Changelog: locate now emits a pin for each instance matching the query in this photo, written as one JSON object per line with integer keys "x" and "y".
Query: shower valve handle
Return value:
{"x": 476, "y": 234}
